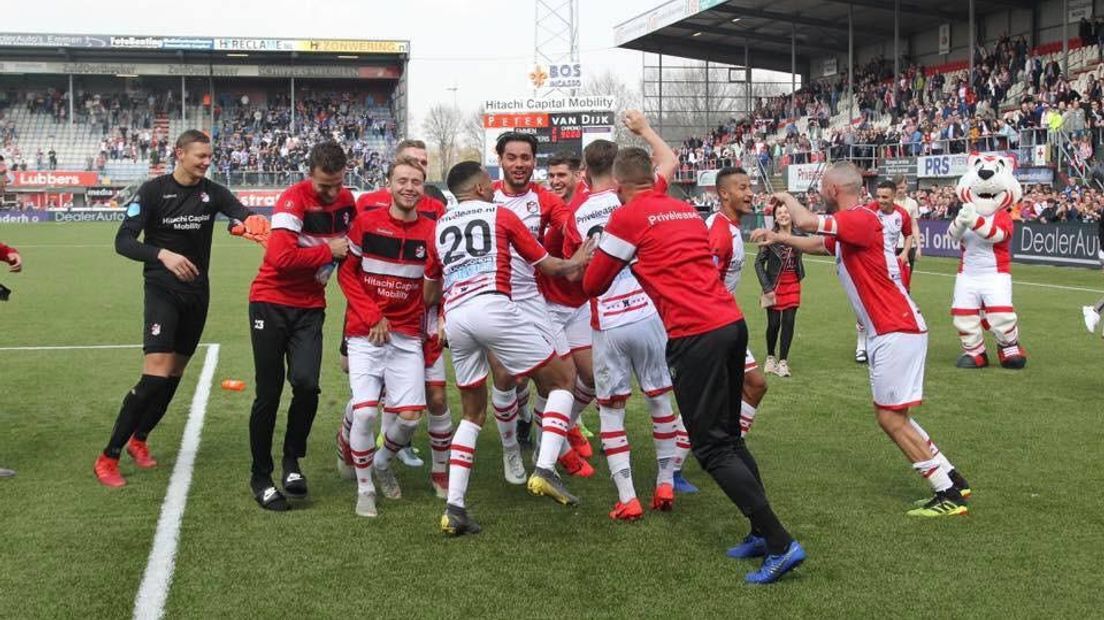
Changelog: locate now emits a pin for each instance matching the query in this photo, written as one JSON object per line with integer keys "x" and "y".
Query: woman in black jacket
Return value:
{"x": 780, "y": 272}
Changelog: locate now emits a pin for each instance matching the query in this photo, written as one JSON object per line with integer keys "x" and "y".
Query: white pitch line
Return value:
{"x": 1016, "y": 282}
{"x": 82, "y": 347}
{"x": 149, "y": 603}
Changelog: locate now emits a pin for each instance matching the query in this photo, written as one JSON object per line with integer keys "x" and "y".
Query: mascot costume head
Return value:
{"x": 983, "y": 288}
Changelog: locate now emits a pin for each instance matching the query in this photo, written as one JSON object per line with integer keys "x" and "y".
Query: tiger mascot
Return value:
{"x": 983, "y": 287}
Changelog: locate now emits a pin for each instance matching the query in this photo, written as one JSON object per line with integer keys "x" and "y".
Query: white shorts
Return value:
{"x": 535, "y": 311}
{"x": 435, "y": 374}
{"x": 635, "y": 349}
{"x": 991, "y": 292}
{"x": 897, "y": 369}
{"x": 574, "y": 323}
{"x": 492, "y": 323}
{"x": 400, "y": 364}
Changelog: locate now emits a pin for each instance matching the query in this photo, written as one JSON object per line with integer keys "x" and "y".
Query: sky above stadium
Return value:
{"x": 482, "y": 48}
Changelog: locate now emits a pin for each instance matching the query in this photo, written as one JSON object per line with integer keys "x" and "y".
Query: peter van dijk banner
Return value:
{"x": 1061, "y": 244}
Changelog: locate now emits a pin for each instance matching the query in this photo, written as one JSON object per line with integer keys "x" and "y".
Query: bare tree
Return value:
{"x": 627, "y": 97}
{"x": 473, "y": 135}
{"x": 443, "y": 126}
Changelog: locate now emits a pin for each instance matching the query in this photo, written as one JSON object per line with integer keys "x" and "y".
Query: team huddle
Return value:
{"x": 580, "y": 288}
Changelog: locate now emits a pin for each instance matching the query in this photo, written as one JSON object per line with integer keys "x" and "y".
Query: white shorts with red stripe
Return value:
{"x": 635, "y": 349}
{"x": 574, "y": 323}
{"x": 897, "y": 369}
{"x": 535, "y": 311}
{"x": 400, "y": 364}
{"x": 990, "y": 292}
{"x": 749, "y": 361}
{"x": 435, "y": 374}
{"x": 492, "y": 323}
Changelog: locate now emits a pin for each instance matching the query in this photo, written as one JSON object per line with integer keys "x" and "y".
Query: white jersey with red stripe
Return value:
{"x": 474, "y": 250}
{"x": 727, "y": 245}
{"x": 625, "y": 302}
{"x": 532, "y": 207}
{"x": 980, "y": 256}
{"x": 869, "y": 272}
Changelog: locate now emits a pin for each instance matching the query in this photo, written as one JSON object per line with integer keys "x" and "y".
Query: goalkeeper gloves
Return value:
{"x": 255, "y": 228}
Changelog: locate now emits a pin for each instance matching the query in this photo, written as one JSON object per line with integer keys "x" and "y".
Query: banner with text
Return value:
{"x": 1061, "y": 244}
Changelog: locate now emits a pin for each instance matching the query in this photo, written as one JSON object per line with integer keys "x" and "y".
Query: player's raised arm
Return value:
{"x": 663, "y": 157}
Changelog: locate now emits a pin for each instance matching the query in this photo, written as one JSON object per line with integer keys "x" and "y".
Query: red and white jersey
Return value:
{"x": 473, "y": 250}
{"x": 980, "y": 256}
{"x": 669, "y": 243}
{"x": 625, "y": 301}
{"x": 727, "y": 245}
{"x": 384, "y": 275}
{"x": 561, "y": 291}
{"x": 294, "y": 271}
{"x": 869, "y": 272}
{"x": 896, "y": 226}
{"x": 428, "y": 206}
{"x": 537, "y": 208}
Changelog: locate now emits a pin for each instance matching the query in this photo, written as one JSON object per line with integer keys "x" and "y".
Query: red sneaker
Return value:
{"x": 139, "y": 451}
{"x": 107, "y": 472}
{"x": 439, "y": 481}
{"x": 579, "y": 443}
{"x": 664, "y": 498}
{"x": 576, "y": 465}
{"x": 627, "y": 512}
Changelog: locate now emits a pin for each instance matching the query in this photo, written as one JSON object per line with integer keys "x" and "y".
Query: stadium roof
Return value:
{"x": 715, "y": 30}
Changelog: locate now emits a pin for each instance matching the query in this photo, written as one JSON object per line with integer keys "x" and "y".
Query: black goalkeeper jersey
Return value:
{"x": 178, "y": 218}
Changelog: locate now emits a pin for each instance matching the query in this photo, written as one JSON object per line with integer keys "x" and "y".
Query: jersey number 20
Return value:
{"x": 477, "y": 231}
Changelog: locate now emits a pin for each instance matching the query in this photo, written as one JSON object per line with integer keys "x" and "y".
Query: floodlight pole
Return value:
{"x": 851, "y": 59}
{"x": 793, "y": 69}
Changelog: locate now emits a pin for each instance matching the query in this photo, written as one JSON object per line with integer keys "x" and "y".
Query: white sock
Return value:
{"x": 682, "y": 444}
{"x": 583, "y": 397}
{"x": 461, "y": 459}
{"x": 616, "y": 446}
{"x": 860, "y": 337}
{"x": 931, "y": 471}
{"x": 664, "y": 435}
{"x": 525, "y": 414}
{"x": 440, "y": 436}
{"x": 747, "y": 418}
{"x": 362, "y": 442}
{"x": 556, "y": 421}
{"x": 539, "y": 403}
{"x": 387, "y": 419}
{"x": 396, "y": 438}
{"x": 936, "y": 453}
{"x": 347, "y": 421}
{"x": 505, "y": 413}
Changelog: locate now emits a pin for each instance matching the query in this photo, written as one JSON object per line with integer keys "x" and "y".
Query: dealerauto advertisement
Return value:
{"x": 1062, "y": 244}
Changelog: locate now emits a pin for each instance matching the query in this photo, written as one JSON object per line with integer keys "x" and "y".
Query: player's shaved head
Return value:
{"x": 599, "y": 156}
{"x": 464, "y": 176}
{"x": 840, "y": 186}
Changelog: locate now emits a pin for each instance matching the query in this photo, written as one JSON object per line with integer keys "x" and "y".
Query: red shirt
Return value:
{"x": 383, "y": 275}
{"x": 5, "y": 250}
{"x": 473, "y": 250}
{"x": 381, "y": 198}
{"x": 562, "y": 291}
{"x": 670, "y": 243}
{"x": 869, "y": 272}
{"x": 295, "y": 267}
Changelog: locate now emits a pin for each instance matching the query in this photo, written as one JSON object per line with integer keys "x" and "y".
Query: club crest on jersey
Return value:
{"x": 532, "y": 206}
{"x": 155, "y": 329}
{"x": 420, "y": 252}
{"x": 203, "y": 197}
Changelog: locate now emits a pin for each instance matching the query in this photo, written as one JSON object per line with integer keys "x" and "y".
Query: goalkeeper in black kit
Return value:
{"x": 175, "y": 215}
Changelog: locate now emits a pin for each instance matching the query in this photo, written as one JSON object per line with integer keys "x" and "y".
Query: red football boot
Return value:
{"x": 664, "y": 498}
{"x": 627, "y": 512}
{"x": 107, "y": 472}
{"x": 439, "y": 481}
{"x": 579, "y": 443}
{"x": 576, "y": 465}
{"x": 139, "y": 451}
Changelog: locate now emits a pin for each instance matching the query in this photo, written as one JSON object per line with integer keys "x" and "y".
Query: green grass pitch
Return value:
{"x": 1030, "y": 442}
